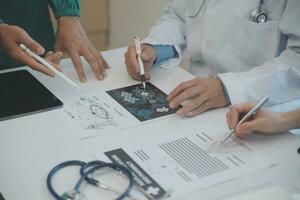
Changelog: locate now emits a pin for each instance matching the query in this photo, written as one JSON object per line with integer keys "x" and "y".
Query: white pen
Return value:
{"x": 252, "y": 112}
{"x": 141, "y": 64}
{"x": 45, "y": 63}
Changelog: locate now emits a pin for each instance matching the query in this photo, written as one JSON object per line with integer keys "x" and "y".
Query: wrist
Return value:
{"x": 68, "y": 19}
{"x": 292, "y": 119}
{"x": 227, "y": 98}
{"x": 287, "y": 121}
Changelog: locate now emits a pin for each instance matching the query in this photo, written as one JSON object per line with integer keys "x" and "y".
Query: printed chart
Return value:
{"x": 187, "y": 163}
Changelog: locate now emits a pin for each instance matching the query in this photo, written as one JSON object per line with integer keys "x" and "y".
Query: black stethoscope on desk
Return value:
{"x": 87, "y": 171}
{"x": 259, "y": 15}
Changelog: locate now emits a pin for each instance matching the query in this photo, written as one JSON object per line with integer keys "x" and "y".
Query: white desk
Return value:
{"x": 30, "y": 146}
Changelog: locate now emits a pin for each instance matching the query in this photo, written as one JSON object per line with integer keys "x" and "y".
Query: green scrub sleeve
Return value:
{"x": 1, "y": 21}
{"x": 65, "y": 7}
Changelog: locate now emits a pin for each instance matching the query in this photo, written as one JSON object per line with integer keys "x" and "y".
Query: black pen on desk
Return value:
{"x": 141, "y": 64}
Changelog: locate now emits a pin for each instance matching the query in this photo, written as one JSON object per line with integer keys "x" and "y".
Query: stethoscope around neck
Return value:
{"x": 258, "y": 15}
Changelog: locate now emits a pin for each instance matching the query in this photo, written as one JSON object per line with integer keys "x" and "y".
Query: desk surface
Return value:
{"x": 30, "y": 146}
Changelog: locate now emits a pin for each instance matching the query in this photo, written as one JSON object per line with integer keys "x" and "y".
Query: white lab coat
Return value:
{"x": 251, "y": 59}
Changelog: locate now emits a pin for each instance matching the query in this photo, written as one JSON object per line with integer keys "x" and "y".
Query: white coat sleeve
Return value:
{"x": 170, "y": 30}
{"x": 279, "y": 77}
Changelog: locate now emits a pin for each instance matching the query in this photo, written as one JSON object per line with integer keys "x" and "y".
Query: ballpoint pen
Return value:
{"x": 251, "y": 113}
{"x": 141, "y": 64}
{"x": 45, "y": 63}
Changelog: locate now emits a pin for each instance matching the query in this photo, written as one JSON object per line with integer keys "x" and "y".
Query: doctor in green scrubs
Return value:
{"x": 28, "y": 22}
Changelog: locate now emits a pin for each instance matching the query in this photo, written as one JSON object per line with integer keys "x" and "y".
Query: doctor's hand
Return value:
{"x": 148, "y": 56}
{"x": 203, "y": 94}
{"x": 264, "y": 122}
{"x": 72, "y": 39}
{"x": 10, "y": 39}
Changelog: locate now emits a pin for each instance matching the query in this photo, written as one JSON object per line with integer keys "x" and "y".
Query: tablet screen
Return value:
{"x": 22, "y": 94}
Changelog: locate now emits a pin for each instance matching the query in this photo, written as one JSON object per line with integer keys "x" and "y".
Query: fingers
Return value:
{"x": 232, "y": 117}
{"x": 97, "y": 69}
{"x": 21, "y": 37}
{"x": 145, "y": 57}
{"x": 193, "y": 94}
{"x": 245, "y": 107}
{"x": 148, "y": 75}
{"x": 24, "y": 38}
{"x": 236, "y": 112}
{"x": 244, "y": 129}
{"x": 100, "y": 60}
{"x": 181, "y": 87}
{"x": 32, "y": 63}
{"x": 148, "y": 57}
{"x": 78, "y": 65}
{"x": 201, "y": 109}
{"x": 105, "y": 64}
{"x": 185, "y": 94}
{"x": 54, "y": 59}
{"x": 131, "y": 62}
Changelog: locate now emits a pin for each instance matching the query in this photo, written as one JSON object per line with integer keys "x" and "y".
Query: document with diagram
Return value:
{"x": 94, "y": 114}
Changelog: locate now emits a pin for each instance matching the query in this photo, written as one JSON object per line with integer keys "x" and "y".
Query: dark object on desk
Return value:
{"x": 144, "y": 104}
{"x": 22, "y": 94}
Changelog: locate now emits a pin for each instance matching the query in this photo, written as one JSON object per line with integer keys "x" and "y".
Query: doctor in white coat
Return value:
{"x": 251, "y": 46}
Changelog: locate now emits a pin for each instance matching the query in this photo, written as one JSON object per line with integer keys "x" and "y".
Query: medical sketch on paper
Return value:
{"x": 92, "y": 114}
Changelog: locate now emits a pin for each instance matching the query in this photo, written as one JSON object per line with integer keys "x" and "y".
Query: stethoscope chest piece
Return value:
{"x": 259, "y": 15}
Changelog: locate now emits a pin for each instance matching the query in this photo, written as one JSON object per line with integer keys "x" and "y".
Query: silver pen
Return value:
{"x": 251, "y": 113}
{"x": 141, "y": 64}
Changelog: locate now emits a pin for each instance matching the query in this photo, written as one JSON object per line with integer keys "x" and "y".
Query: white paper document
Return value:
{"x": 268, "y": 192}
{"x": 90, "y": 115}
{"x": 94, "y": 114}
{"x": 184, "y": 164}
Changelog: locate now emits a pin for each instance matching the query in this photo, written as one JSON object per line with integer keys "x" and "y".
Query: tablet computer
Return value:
{"x": 22, "y": 94}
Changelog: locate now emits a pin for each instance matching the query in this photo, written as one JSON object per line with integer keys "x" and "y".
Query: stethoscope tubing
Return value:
{"x": 55, "y": 170}
{"x": 86, "y": 169}
{"x": 116, "y": 167}
{"x": 259, "y": 8}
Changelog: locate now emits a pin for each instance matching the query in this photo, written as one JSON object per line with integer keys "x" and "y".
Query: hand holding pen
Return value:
{"x": 241, "y": 126}
{"x": 148, "y": 56}
{"x": 12, "y": 36}
{"x": 264, "y": 122}
{"x": 49, "y": 66}
{"x": 138, "y": 49}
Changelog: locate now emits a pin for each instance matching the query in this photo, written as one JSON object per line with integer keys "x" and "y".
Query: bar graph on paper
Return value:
{"x": 184, "y": 163}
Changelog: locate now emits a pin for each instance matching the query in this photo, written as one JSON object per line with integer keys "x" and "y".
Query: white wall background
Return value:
{"x": 128, "y": 18}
